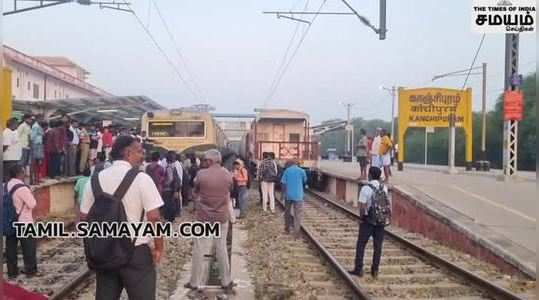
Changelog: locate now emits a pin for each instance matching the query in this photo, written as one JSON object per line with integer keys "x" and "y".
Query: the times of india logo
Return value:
{"x": 504, "y": 16}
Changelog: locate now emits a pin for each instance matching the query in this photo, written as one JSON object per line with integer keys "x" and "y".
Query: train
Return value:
{"x": 285, "y": 133}
{"x": 183, "y": 131}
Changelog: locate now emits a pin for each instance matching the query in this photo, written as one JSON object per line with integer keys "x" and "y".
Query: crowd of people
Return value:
{"x": 378, "y": 151}
{"x": 60, "y": 147}
{"x": 151, "y": 186}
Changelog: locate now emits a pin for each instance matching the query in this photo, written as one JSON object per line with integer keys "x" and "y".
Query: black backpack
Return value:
{"x": 109, "y": 254}
{"x": 9, "y": 213}
{"x": 379, "y": 213}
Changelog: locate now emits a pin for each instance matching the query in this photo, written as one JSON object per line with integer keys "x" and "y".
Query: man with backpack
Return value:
{"x": 375, "y": 212}
{"x": 18, "y": 204}
{"x": 268, "y": 174}
{"x": 122, "y": 193}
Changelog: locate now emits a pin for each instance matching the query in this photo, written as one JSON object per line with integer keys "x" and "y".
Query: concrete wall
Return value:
{"x": 54, "y": 199}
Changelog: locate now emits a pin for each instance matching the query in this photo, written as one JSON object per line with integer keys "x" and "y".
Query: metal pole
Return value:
{"x": 393, "y": 93}
{"x": 484, "y": 115}
{"x": 451, "y": 159}
{"x": 382, "y": 27}
{"x": 510, "y": 141}
{"x": 426, "y": 147}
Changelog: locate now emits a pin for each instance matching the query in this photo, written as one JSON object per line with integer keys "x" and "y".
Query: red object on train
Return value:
{"x": 14, "y": 292}
{"x": 513, "y": 106}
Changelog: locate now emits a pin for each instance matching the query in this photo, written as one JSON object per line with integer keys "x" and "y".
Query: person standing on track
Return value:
{"x": 171, "y": 187}
{"x": 141, "y": 202}
{"x": 292, "y": 185}
{"x": 241, "y": 178}
{"x": 362, "y": 152}
{"x": 212, "y": 186}
{"x": 267, "y": 173}
{"x": 24, "y": 203}
{"x": 368, "y": 227}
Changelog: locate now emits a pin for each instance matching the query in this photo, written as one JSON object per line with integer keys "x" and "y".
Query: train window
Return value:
{"x": 293, "y": 137}
{"x": 177, "y": 129}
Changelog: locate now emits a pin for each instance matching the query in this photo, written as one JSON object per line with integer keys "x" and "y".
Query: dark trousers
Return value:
{"x": 367, "y": 230}
{"x": 243, "y": 195}
{"x": 138, "y": 278}
{"x": 28, "y": 253}
{"x": 170, "y": 207}
{"x": 55, "y": 160}
{"x": 8, "y": 164}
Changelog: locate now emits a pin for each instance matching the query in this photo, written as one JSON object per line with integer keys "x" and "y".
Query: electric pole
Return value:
{"x": 512, "y": 82}
{"x": 349, "y": 130}
{"x": 393, "y": 92}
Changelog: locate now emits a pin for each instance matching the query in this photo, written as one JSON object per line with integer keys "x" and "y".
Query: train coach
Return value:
{"x": 285, "y": 133}
{"x": 183, "y": 131}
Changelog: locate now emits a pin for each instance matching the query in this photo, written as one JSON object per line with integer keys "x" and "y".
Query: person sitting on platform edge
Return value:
{"x": 373, "y": 192}
{"x": 141, "y": 202}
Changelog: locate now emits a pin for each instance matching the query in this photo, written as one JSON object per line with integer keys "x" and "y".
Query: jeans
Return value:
{"x": 243, "y": 194}
{"x": 366, "y": 230}
{"x": 293, "y": 216}
{"x": 55, "y": 160}
{"x": 28, "y": 253}
{"x": 170, "y": 208}
{"x": 202, "y": 248}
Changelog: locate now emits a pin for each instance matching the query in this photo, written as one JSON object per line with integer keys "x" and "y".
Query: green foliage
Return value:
{"x": 438, "y": 141}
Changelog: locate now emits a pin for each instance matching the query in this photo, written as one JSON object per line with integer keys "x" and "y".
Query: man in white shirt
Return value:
{"x": 11, "y": 147}
{"x": 366, "y": 229}
{"x": 142, "y": 197}
{"x": 376, "y": 160}
{"x": 71, "y": 155}
{"x": 24, "y": 131}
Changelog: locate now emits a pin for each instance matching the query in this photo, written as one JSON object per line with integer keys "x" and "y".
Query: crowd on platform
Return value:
{"x": 377, "y": 151}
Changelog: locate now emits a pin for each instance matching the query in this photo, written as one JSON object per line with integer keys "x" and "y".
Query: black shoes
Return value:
{"x": 356, "y": 273}
{"x": 189, "y": 286}
{"x": 374, "y": 274}
{"x": 230, "y": 287}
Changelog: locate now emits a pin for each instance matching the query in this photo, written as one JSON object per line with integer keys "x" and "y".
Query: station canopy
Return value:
{"x": 124, "y": 111}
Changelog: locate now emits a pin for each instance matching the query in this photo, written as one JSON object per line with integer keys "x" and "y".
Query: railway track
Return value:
{"x": 61, "y": 267}
{"x": 407, "y": 270}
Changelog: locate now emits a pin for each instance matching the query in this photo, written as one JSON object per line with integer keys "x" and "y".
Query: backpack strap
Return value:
{"x": 126, "y": 183}
{"x": 96, "y": 187}
{"x": 12, "y": 192}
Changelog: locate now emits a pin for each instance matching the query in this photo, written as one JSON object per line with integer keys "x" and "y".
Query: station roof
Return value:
{"x": 122, "y": 110}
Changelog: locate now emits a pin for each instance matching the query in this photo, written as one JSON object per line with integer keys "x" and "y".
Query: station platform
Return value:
{"x": 499, "y": 214}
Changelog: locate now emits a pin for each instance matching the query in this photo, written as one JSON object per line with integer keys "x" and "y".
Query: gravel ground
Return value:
{"x": 284, "y": 268}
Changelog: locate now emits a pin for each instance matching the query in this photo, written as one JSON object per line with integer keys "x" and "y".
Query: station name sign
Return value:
{"x": 504, "y": 16}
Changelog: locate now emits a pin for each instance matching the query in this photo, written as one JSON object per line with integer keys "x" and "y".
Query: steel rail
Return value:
{"x": 359, "y": 292}
{"x": 493, "y": 290}
{"x": 67, "y": 289}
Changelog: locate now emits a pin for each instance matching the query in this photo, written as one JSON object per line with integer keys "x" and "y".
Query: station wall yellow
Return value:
{"x": 5, "y": 96}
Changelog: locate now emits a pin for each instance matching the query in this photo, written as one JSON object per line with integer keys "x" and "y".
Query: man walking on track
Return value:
{"x": 135, "y": 193}
{"x": 267, "y": 173}
{"x": 292, "y": 183}
{"x": 212, "y": 186}
{"x": 375, "y": 212}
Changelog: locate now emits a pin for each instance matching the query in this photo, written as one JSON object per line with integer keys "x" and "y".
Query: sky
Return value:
{"x": 231, "y": 51}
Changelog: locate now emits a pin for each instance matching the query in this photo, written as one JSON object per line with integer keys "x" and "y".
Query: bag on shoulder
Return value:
{"x": 380, "y": 211}
{"x": 9, "y": 213}
{"x": 269, "y": 171}
{"x": 108, "y": 253}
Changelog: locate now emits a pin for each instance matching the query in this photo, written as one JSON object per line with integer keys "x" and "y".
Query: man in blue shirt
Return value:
{"x": 293, "y": 180}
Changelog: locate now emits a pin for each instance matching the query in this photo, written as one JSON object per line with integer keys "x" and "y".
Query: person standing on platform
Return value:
{"x": 385, "y": 154}
{"x": 374, "y": 194}
{"x": 212, "y": 185}
{"x": 362, "y": 152}
{"x": 24, "y": 204}
{"x": 11, "y": 147}
{"x": 71, "y": 149}
{"x": 24, "y": 132}
{"x": 292, "y": 185}
{"x": 94, "y": 142}
{"x": 37, "y": 153}
{"x": 375, "y": 149}
{"x": 84, "y": 148}
{"x": 241, "y": 178}
{"x": 54, "y": 145}
{"x": 141, "y": 202}
{"x": 267, "y": 173}
{"x": 106, "y": 139}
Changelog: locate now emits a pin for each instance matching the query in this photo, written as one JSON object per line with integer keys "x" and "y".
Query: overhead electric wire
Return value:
{"x": 272, "y": 92}
{"x": 182, "y": 58}
{"x": 285, "y": 56}
{"x": 473, "y": 61}
{"x": 162, "y": 51}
